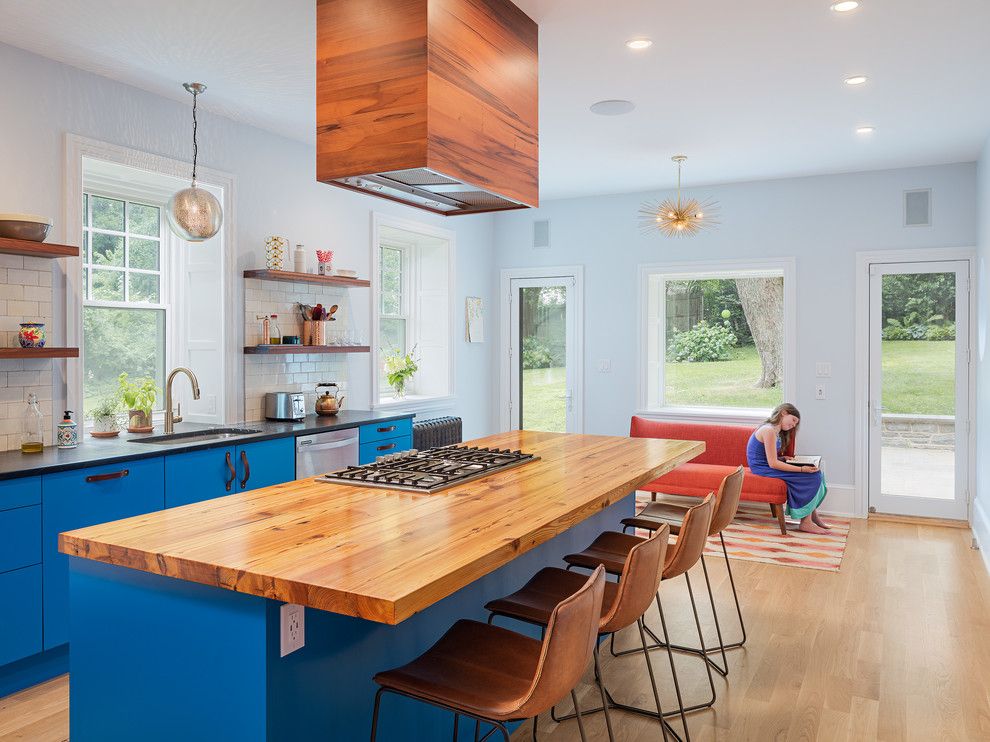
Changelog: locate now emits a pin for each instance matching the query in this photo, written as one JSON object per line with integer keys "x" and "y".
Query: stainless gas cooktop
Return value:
{"x": 429, "y": 471}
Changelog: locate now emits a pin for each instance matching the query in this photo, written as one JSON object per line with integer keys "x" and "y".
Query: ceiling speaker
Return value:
{"x": 918, "y": 208}
{"x": 541, "y": 234}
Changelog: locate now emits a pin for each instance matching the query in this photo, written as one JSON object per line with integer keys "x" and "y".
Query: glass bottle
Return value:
{"x": 275, "y": 334}
{"x": 32, "y": 427}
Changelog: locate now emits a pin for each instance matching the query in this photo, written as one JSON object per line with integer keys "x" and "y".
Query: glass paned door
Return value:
{"x": 919, "y": 389}
{"x": 543, "y": 364}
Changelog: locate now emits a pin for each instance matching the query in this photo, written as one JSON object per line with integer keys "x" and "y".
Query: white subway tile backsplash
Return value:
{"x": 11, "y": 261}
{"x": 25, "y": 278}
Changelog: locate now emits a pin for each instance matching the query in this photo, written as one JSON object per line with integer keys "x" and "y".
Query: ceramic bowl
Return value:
{"x": 24, "y": 227}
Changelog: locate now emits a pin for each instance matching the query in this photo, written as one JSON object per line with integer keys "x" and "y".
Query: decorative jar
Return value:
{"x": 32, "y": 335}
{"x": 276, "y": 248}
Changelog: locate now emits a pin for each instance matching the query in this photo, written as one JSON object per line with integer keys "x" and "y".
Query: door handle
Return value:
{"x": 233, "y": 472}
{"x": 247, "y": 468}
{"x": 105, "y": 477}
{"x": 389, "y": 429}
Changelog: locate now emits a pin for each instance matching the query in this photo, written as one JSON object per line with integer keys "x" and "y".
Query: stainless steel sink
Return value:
{"x": 196, "y": 436}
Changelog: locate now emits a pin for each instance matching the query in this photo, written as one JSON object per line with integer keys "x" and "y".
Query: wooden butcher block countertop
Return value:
{"x": 379, "y": 554}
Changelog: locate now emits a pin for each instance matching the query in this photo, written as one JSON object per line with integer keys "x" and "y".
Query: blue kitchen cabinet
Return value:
{"x": 20, "y": 613}
{"x": 86, "y": 497}
{"x": 383, "y": 438}
{"x": 215, "y": 472}
{"x": 20, "y": 568}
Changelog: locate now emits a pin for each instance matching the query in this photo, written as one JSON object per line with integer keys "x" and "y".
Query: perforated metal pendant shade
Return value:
{"x": 194, "y": 214}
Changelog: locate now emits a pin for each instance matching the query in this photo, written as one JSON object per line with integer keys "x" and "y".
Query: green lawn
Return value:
{"x": 917, "y": 377}
{"x": 543, "y": 400}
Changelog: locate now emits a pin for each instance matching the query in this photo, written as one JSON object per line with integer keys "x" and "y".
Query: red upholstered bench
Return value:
{"x": 725, "y": 449}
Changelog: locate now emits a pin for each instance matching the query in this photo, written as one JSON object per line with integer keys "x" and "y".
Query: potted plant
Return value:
{"x": 138, "y": 398}
{"x": 106, "y": 423}
{"x": 399, "y": 368}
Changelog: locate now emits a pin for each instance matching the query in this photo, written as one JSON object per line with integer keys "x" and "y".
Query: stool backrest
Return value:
{"x": 691, "y": 540}
{"x": 567, "y": 645}
{"x": 726, "y": 501}
{"x": 639, "y": 581}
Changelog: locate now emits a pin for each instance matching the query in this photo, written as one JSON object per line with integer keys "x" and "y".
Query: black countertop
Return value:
{"x": 93, "y": 451}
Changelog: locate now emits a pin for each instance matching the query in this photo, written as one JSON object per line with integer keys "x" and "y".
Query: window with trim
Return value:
{"x": 413, "y": 295}
{"x": 716, "y": 339}
{"x": 123, "y": 285}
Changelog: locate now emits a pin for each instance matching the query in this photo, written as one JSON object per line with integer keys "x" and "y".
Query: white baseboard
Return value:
{"x": 981, "y": 529}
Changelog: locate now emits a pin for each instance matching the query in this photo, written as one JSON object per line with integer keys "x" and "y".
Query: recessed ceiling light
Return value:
{"x": 639, "y": 43}
{"x": 865, "y": 129}
{"x": 612, "y": 107}
{"x": 845, "y": 6}
{"x": 856, "y": 80}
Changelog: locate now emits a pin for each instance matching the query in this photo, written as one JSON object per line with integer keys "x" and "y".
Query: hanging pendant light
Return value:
{"x": 681, "y": 218}
{"x": 194, "y": 214}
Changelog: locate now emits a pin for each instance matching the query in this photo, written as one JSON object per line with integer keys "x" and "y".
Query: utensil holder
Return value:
{"x": 316, "y": 332}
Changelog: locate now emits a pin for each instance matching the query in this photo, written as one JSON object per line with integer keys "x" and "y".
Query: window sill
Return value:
{"x": 414, "y": 403}
{"x": 717, "y": 415}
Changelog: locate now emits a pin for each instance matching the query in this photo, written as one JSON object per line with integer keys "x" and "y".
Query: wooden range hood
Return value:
{"x": 429, "y": 102}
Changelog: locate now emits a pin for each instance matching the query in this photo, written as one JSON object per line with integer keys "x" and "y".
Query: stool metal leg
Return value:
{"x": 735, "y": 596}
{"x": 374, "y": 715}
{"x": 577, "y": 713}
{"x": 601, "y": 691}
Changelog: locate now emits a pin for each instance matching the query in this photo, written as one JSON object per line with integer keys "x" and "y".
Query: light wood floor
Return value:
{"x": 895, "y": 646}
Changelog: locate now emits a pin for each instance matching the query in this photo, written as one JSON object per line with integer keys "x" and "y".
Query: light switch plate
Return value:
{"x": 823, "y": 369}
{"x": 605, "y": 365}
{"x": 292, "y": 620}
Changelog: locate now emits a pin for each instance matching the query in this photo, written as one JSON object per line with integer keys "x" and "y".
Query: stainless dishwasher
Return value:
{"x": 321, "y": 453}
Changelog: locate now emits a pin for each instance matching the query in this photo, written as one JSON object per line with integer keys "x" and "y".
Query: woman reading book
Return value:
{"x": 805, "y": 484}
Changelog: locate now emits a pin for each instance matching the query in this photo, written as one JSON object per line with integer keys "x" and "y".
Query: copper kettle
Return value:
{"x": 330, "y": 402}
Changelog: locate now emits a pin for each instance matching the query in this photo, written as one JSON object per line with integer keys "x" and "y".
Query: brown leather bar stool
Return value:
{"x": 494, "y": 675}
{"x": 610, "y": 550}
{"x": 624, "y": 604}
{"x": 657, "y": 514}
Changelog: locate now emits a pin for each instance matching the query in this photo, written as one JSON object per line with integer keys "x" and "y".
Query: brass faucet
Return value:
{"x": 170, "y": 418}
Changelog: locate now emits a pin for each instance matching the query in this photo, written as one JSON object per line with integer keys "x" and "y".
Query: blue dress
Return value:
{"x": 804, "y": 491}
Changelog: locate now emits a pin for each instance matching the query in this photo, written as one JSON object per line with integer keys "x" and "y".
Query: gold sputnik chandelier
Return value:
{"x": 684, "y": 217}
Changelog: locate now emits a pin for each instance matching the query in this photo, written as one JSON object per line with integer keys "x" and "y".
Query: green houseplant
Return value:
{"x": 105, "y": 420}
{"x": 399, "y": 368}
{"x": 138, "y": 398}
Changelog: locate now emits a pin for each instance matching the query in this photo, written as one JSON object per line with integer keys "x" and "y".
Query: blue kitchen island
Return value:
{"x": 176, "y": 616}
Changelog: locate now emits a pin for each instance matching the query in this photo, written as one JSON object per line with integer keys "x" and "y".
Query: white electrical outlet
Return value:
{"x": 820, "y": 391}
{"x": 823, "y": 369}
{"x": 292, "y": 628}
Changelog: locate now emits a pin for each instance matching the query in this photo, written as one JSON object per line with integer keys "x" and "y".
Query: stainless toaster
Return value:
{"x": 285, "y": 406}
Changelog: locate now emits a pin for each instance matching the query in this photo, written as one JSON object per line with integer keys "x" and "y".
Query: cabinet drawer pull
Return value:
{"x": 105, "y": 477}
{"x": 386, "y": 447}
{"x": 233, "y": 472}
{"x": 247, "y": 468}
{"x": 388, "y": 429}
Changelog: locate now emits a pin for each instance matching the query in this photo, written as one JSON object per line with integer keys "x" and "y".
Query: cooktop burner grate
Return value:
{"x": 431, "y": 470}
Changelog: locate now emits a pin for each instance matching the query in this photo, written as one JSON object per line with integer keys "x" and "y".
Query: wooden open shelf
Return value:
{"x": 47, "y": 352}
{"x": 10, "y": 246}
{"x": 267, "y": 275}
{"x": 269, "y": 350}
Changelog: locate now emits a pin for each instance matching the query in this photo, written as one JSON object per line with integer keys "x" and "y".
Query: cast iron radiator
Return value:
{"x": 438, "y": 431}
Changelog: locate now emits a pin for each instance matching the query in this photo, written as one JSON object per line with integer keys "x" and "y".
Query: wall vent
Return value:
{"x": 541, "y": 234}
{"x": 918, "y": 208}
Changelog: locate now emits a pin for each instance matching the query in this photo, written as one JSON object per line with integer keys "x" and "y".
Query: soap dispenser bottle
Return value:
{"x": 68, "y": 431}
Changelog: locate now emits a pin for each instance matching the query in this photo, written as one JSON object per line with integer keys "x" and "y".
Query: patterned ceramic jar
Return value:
{"x": 276, "y": 248}
{"x": 32, "y": 335}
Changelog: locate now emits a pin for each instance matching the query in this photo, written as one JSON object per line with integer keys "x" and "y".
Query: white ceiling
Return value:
{"x": 748, "y": 89}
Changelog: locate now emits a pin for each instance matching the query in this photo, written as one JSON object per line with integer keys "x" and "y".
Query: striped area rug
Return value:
{"x": 754, "y": 536}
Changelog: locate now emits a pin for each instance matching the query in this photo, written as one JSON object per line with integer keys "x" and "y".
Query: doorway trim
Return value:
{"x": 505, "y": 336}
{"x": 862, "y": 362}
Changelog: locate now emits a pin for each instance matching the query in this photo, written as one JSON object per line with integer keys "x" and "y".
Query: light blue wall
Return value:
{"x": 275, "y": 192}
{"x": 822, "y": 221}
{"x": 981, "y": 511}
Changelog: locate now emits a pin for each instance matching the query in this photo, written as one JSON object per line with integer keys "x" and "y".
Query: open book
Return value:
{"x": 805, "y": 460}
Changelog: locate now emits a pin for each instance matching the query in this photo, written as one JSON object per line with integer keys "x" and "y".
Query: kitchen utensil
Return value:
{"x": 24, "y": 227}
{"x": 330, "y": 402}
{"x": 285, "y": 406}
{"x": 333, "y": 309}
